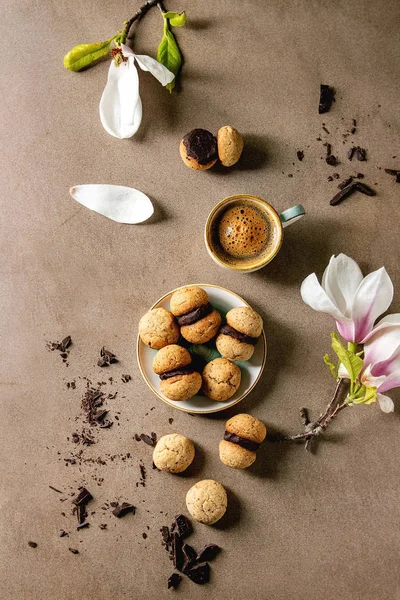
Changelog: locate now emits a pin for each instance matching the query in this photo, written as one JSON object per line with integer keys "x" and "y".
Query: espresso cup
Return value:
{"x": 245, "y": 233}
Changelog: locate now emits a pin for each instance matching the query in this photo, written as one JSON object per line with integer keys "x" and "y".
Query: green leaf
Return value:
{"x": 175, "y": 19}
{"x": 332, "y": 367}
{"x": 351, "y": 361}
{"x": 84, "y": 55}
{"x": 168, "y": 54}
{"x": 366, "y": 395}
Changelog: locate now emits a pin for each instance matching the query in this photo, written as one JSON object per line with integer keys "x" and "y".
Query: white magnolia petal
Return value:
{"x": 117, "y": 202}
{"x": 330, "y": 285}
{"x": 161, "y": 73}
{"x": 315, "y": 296}
{"x": 370, "y": 380}
{"x": 373, "y": 297}
{"x": 348, "y": 278}
{"x": 381, "y": 345}
{"x": 120, "y": 105}
{"x": 390, "y": 368}
{"x": 343, "y": 372}
{"x": 126, "y": 51}
{"x": 388, "y": 322}
{"x": 385, "y": 403}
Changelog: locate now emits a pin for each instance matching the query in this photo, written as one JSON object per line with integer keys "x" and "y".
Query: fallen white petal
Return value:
{"x": 385, "y": 403}
{"x": 120, "y": 104}
{"x": 161, "y": 73}
{"x": 117, "y": 202}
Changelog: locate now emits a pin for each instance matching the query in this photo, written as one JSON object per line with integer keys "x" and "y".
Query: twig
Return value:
{"x": 304, "y": 416}
{"x": 339, "y": 386}
{"x": 138, "y": 15}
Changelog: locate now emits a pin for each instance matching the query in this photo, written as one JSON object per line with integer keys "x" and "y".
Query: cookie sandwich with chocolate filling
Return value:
{"x": 198, "y": 320}
{"x": 179, "y": 381}
{"x": 243, "y": 436}
{"x": 199, "y": 149}
{"x": 237, "y": 338}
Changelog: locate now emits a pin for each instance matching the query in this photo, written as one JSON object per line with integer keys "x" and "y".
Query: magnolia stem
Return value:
{"x": 139, "y": 14}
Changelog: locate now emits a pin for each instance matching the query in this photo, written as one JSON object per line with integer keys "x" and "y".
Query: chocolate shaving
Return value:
{"x": 228, "y": 330}
{"x": 106, "y": 358}
{"x": 150, "y": 441}
{"x": 350, "y": 189}
{"x": 208, "y": 552}
{"x": 243, "y": 442}
{"x": 165, "y": 535}
{"x": 350, "y": 153}
{"x": 83, "y": 525}
{"x": 176, "y": 373}
{"x": 123, "y": 509}
{"x": 63, "y": 533}
{"x": 195, "y": 315}
{"x": 73, "y": 550}
{"x": 326, "y": 97}
{"x": 300, "y": 155}
{"x": 330, "y": 159}
{"x": 174, "y": 580}
{"x": 125, "y": 378}
{"x": 55, "y": 489}
{"x": 32, "y": 544}
{"x": 199, "y": 574}
{"x": 365, "y": 189}
{"x": 178, "y": 557}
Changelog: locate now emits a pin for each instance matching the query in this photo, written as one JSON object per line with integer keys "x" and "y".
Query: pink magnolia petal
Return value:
{"x": 386, "y": 323}
{"x": 386, "y": 404}
{"x": 372, "y": 298}
{"x": 390, "y": 368}
{"x": 315, "y": 296}
{"x": 346, "y": 330}
{"x": 382, "y": 343}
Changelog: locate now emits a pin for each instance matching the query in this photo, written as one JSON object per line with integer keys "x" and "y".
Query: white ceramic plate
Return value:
{"x": 222, "y": 300}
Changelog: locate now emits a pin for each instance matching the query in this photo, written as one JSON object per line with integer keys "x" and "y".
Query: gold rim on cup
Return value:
{"x": 182, "y": 408}
{"x": 271, "y": 211}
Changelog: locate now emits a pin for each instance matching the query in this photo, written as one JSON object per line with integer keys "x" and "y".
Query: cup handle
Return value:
{"x": 291, "y": 215}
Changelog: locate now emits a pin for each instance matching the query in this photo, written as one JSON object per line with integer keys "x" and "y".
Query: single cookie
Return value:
{"x": 187, "y": 299}
{"x": 221, "y": 379}
{"x": 245, "y": 320}
{"x": 204, "y": 330}
{"x": 170, "y": 358}
{"x": 198, "y": 149}
{"x": 243, "y": 436}
{"x": 173, "y": 453}
{"x": 234, "y": 456}
{"x": 207, "y": 501}
{"x": 230, "y": 145}
{"x": 233, "y": 349}
{"x": 158, "y": 328}
{"x": 181, "y": 387}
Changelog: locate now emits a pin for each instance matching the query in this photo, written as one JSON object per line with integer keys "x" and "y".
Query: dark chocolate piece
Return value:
{"x": 183, "y": 526}
{"x": 208, "y": 552}
{"x": 331, "y": 160}
{"x": 190, "y": 556}
{"x": 147, "y": 439}
{"x": 199, "y": 574}
{"x": 177, "y": 373}
{"x": 340, "y": 196}
{"x": 165, "y": 535}
{"x": 228, "y": 330}
{"x": 345, "y": 183}
{"x": 123, "y": 509}
{"x": 201, "y": 145}
{"x": 55, "y": 489}
{"x": 63, "y": 533}
{"x": 73, "y": 550}
{"x": 395, "y": 173}
{"x": 83, "y": 525}
{"x": 300, "y": 155}
{"x": 325, "y": 129}
{"x": 170, "y": 420}
{"x": 178, "y": 557}
{"x": 100, "y": 414}
{"x": 32, "y": 544}
{"x": 243, "y": 442}
{"x": 174, "y": 580}
{"x": 106, "y": 358}
{"x": 106, "y": 424}
{"x": 82, "y": 498}
{"x": 326, "y": 97}
{"x": 195, "y": 315}
{"x": 361, "y": 153}
{"x": 364, "y": 189}
{"x": 81, "y": 513}
{"x": 126, "y": 378}
{"x": 350, "y": 153}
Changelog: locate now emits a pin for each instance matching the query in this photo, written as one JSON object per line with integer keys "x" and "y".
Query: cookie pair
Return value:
{"x": 243, "y": 436}
{"x": 200, "y": 149}
{"x": 237, "y": 338}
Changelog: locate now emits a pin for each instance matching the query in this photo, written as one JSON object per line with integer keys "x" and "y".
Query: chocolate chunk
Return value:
{"x": 83, "y": 525}
{"x": 178, "y": 557}
{"x": 126, "y": 378}
{"x": 170, "y": 420}
{"x": 326, "y": 97}
{"x": 243, "y": 442}
{"x": 147, "y": 439}
{"x": 106, "y": 358}
{"x": 63, "y": 533}
{"x": 350, "y": 153}
{"x": 103, "y": 525}
{"x": 345, "y": 183}
{"x": 300, "y": 155}
{"x": 144, "y": 536}
{"x": 208, "y": 552}
{"x": 165, "y": 535}
{"x": 361, "y": 153}
{"x": 183, "y": 526}
{"x": 137, "y": 437}
{"x": 201, "y": 145}
{"x": 81, "y": 513}
{"x": 106, "y": 424}
{"x": 174, "y": 580}
{"x": 83, "y": 497}
{"x": 364, "y": 189}
{"x": 199, "y": 574}
{"x": 395, "y": 173}
{"x": 123, "y": 509}
{"x": 73, "y": 550}
{"x": 228, "y": 330}
{"x": 195, "y": 315}
{"x": 177, "y": 373}
{"x": 190, "y": 555}
{"x": 344, "y": 193}
{"x": 55, "y": 489}
{"x": 331, "y": 160}
{"x": 100, "y": 414}
{"x": 325, "y": 129}
{"x": 32, "y": 544}
{"x": 64, "y": 344}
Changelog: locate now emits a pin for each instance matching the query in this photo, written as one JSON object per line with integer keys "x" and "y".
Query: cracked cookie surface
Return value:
{"x": 233, "y": 349}
{"x": 246, "y": 320}
{"x": 173, "y": 453}
{"x": 158, "y": 328}
{"x": 181, "y": 387}
{"x": 221, "y": 379}
{"x": 203, "y": 330}
{"x": 207, "y": 501}
{"x": 186, "y": 299}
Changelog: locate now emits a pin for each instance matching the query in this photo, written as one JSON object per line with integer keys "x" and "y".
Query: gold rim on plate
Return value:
{"x": 182, "y": 408}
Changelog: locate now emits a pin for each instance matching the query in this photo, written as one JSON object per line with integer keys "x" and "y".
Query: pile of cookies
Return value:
{"x": 193, "y": 319}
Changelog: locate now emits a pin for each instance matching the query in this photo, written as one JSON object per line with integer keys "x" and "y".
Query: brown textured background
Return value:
{"x": 321, "y": 527}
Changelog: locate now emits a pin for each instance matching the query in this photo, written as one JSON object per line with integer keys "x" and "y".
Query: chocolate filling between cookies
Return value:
{"x": 243, "y": 442}
{"x": 241, "y": 337}
{"x": 201, "y": 145}
{"x": 195, "y": 315}
{"x": 176, "y": 373}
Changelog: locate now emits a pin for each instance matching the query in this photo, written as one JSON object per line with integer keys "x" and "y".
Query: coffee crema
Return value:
{"x": 243, "y": 234}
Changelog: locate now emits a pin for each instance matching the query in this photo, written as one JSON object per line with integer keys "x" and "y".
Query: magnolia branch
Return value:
{"x": 140, "y": 13}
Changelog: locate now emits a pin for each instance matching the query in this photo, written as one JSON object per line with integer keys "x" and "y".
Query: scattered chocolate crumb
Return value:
{"x": 170, "y": 420}
{"x": 325, "y": 129}
{"x": 360, "y": 176}
{"x": 63, "y": 533}
{"x": 174, "y": 580}
{"x": 83, "y": 525}
{"x": 106, "y": 424}
{"x": 137, "y": 437}
{"x": 106, "y": 358}
{"x": 330, "y": 178}
{"x": 394, "y": 172}
{"x": 126, "y": 378}
{"x": 208, "y": 552}
{"x": 345, "y": 183}
{"x": 83, "y": 497}
{"x": 331, "y": 160}
{"x": 350, "y": 153}
{"x": 92, "y": 400}
{"x": 150, "y": 440}
{"x": 142, "y": 471}
{"x": 61, "y": 347}
{"x": 361, "y": 153}
{"x": 32, "y": 544}
{"x": 199, "y": 574}
{"x": 103, "y": 525}
{"x": 123, "y": 509}
{"x": 73, "y": 550}
{"x": 326, "y": 97}
{"x": 300, "y": 155}
{"x": 144, "y": 536}
{"x": 55, "y": 489}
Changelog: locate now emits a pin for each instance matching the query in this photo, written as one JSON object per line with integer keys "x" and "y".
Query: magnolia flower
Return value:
{"x": 353, "y": 300}
{"x": 120, "y": 104}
